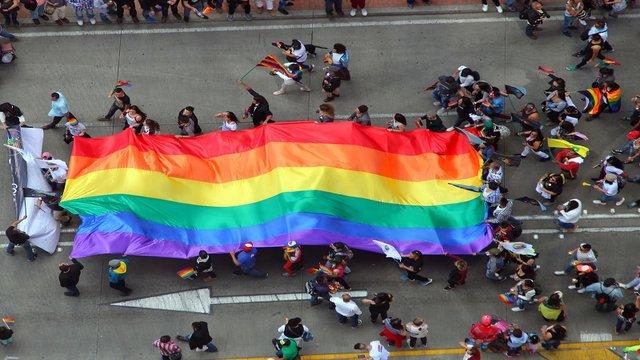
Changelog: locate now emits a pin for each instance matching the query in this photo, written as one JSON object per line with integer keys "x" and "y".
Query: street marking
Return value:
{"x": 199, "y": 300}
{"x": 593, "y": 337}
{"x": 583, "y": 217}
{"x": 263, "y": 28}
{"x": 584, "y": 230}
{"x": 455, "y": 351}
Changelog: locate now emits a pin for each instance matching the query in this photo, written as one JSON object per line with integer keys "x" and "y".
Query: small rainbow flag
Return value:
{"x": 187, "y": 272}
{"x": 8, "y": 320}
{"x": 593, "y": 101}
{"x": 301, "y": 181}
{"x": 610, "y": 61}
{"x": 270, "y": 62}
{"x": 614, "y": 99}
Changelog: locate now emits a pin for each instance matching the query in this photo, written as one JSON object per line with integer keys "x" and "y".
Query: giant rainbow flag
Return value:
{"x": 312, "y": 183}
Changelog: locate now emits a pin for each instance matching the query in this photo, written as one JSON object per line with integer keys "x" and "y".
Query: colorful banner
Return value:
{"x": 312, "y": 183}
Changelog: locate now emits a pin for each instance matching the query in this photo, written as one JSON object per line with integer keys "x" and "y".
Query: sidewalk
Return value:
{"x": 307, "y": 9}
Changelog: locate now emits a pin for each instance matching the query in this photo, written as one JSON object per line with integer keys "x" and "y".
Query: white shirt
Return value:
{"x": 347, "y": 309}
{"x": 300, "y": 54}
{"x": 58, "y": 170}
{"x": 378, "y": 352}
{"x": 495, "y": 175}
{"x": 571, "y": 216}
{"x": 610, "y": 189}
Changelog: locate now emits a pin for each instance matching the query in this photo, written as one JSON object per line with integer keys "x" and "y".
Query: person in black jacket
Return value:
{"x": 187, "y": 114}
{"x": 379, "y": 305}
{"x": 19, "y": 238}
{"x": 204, "y": 266}
{"x": 259, "y": 108}
{"x": 11, "y": 115}
{"x": 199, "y": 338}
{"x": 534, "y": 16}
{"x": 70, "y": 276}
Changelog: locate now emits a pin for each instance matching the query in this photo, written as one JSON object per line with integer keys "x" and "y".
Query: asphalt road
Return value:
{"x": 390, "y": 63}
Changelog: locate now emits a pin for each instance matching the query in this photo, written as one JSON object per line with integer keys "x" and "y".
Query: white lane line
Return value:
{"x": 200, "y": 300}
{"x": 583, "y": 217}
{"x": 585, "y": 230}
{"x": 594, "y": 337}
{"x": 316, "y": 26}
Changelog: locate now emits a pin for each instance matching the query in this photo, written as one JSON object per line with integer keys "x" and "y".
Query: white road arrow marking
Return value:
{"x": 200, "y": 300}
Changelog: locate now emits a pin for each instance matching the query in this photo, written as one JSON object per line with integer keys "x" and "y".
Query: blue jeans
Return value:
{"x": 606, "y": 198}
{"x": 210, "y": 345}
{"x": 329, "y": 5}
{"x": 27, "y": 248}
{"x": 565, "y": 225}
{"x": 437, "y": 95}
{"x": 197, "y": 5}
{"x": 567, "y": 22}
{"x": 353, "y": 320}
{"x": 7, "y": 35}
{"x": 73, "y": 290}
{"x": 282, "y": 5}
{"x": 529, "y": 29}
{"x": 37, "y": 12}
{"x": 88, "y": 11}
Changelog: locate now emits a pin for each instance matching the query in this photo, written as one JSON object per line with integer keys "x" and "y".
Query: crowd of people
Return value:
{"x": 549, "y": 131}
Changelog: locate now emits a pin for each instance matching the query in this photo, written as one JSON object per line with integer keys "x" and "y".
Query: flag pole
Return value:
{"x": 245, "y": 75}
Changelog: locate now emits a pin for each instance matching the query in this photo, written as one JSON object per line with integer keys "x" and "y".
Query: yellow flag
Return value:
{"x": 563, "y": 144}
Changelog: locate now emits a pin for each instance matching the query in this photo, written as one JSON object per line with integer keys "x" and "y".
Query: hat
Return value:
{"x": 292, "y": 244}
{"x": 461, "y": 67}
{"x": 246, "y": 247}
{"x": 559, "y": 294}
{"x": 610, "y": 177}
{"x": 114, "y": 263}
{"x": 584, "y": 268}
{"x": 633, "y": 135}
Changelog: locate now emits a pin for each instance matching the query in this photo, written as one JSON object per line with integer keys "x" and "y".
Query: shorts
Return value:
{"x": 565, "y": 225}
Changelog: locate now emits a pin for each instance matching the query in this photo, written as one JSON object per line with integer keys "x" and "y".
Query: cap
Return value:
{"x": 610, "y": 177}
{"x": 461, "y": 67}
{"x": 584, "y": 268}
{"x": 114, "y": 263}
{"x": 485, "y": 320}
{"x": 559, "y": 293}
{"x": 46, "y": 155}
{"x": 292, "y": 244}
{"x": 247, "y": 246}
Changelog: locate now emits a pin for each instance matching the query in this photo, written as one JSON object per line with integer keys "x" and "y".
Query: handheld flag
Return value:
{"x": 186, "y": 272}
{"x": 563, "y": 144}
{"x": 593, "y": 104}
{"x": 208, "y": 10}
{"x": 388, "y": 250}
{"x": 610, "y": 61}
{"x": 467, "y": 187}
{"x": 516, "y": 91}
{"x": 473, "y": 139}
{"x": 530, "y": 201}
{"x": 270, "y": 62}
{"x": 123, "y": 83}
{"x": 8, "y": 321}
{"x": 586, "y": 184}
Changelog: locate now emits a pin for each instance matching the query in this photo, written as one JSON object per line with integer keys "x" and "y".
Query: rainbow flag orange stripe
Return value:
{"x": 313, "y": 183}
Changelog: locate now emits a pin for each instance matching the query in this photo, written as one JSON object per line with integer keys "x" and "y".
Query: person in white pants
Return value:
{"x": 260, "y": 4}
{"x": 293, "y": 78}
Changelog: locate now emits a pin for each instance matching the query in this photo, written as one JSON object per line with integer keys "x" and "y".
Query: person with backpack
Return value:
{"x": 18, "y": 237}
{"x": 466, "y": 77}
{"x": 610, "y": 188}
{"x": 294, "y": 330}
{"x": 59, "y": 109}
{"x": 286, "y": 349}
{"x": 521, "y": 295}
{"x": 516, "y": 339}
{"x": 534, "y": 15}
{"x": 606, "y": 293}
{"x": 551, "y": 336}
{"x": 582, "y": 255}
{"x": 446, "y": 87}
{"x": 625, "y": 317}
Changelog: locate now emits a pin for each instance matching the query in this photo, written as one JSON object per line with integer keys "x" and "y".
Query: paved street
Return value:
{"x": 392, "y": 60}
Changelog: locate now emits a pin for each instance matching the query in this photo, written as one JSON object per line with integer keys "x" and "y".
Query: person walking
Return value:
{"x": 293, "y": 77}
{"x": 417, "y": 330}
{"x": 625, "y": 317}
{"x": 232, "y": 5}
{"x": 318, "y": 289}
{"x": 591, "y": 52}
{"x": 117, "y": 272}
{"x": 485, "y": 6}
{"x": 133, "y": 12}
{"x": 245, "y": 260}
{"x": 582, "y": 255}
{"x": 74, "y": 128}
{"x": 551, "y": 336}
{"x": 458, "y": 274}
{"x": 552, "y": 308}
{"x": 259, "y": 108}
{"x": 374, "y": 350}
{"x": 606, "y": 293}
{"x": 59, "y": 109}
{"x": 169, "y": 350}
{"x": 568, "y": 215}
{"x": 83, "y": 7}
{"x": 331, "y": 85}
{"x": 70, "y": 276}
{"x": 229, "y": 121}
{"x": 326, "y": 113}
{"x": 610, "y": 188}
{"x": 330, "y": 5}
{"x": 294, "y": 330}
{"x": 199, "y": 338}
{"x": 379, "y": 305}
{"x": 358, "y": 4}
{"x": 19, "y": 238}
{"x": 59, "y": 8}
{"x": 292, "y": 259}
{"x": 572, "y": 10}
{"x": 121, "y": 102}
{"x": 347, "y": 310}
{"x": 204, "y": 266}
{"x": 412, "y": 264}
{"x": 534, "y": 16}
{"x": 286, "y": 349}
{"x": 188, "y": 116}
{"x": 361, "y": 116}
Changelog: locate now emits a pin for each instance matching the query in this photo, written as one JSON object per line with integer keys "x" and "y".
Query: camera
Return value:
{"x": 280, "y": 45}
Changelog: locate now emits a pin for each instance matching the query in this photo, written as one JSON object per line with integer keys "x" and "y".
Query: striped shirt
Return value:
{"x": 167, "y": 348}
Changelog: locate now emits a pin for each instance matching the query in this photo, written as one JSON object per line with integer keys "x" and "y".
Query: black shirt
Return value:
{"x": 71, "y": 277}
{"x": 382, "y": 301}
{"x": 16, "y": 236}
{"x": 415, "y": 264}
{"x": 260, "y": 111}
{"x": 12, "y": 114}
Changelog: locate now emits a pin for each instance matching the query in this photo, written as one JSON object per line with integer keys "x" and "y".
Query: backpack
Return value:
{"x": 621, "y": 182}
{"x": 476, "y": 75}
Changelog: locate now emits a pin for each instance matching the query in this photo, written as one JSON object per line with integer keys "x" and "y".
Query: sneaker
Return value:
{"x": 69, "y": 293}
{"x": 248, "y": 17}
{"x": 598, "y": 202}
{"x": 210, "y": 350}
{"x": 572, "y": 287}
{"x": 352, "y": 12}
{"x": 570, "y": 68}
{"x": 616, "y": 152}
{"x": 365, "y": 12}
{"x": 278, "y": 92}
{"x": 312, "y": 68}
{"x": 559, "y": 273}
{"x": 581, "y": 291}
{"x": 499, "y": 9}
{"x": 632, "y": 204}
{"x": 36, "y": 21}
{"x": 436, "y": 103}
{"x": 283, "y": 11}
{"x": 305, "y": 90}
{"x": 403, "y": 277}
{"x": 620, "y": 202}
{"x": 429, "y": 281}
{"x": 446, "y": 288}
{"x": 92, "y": 21}
{"x": 545, "y": 159}
{"x": 485, "y": 7}
{"x": 10, "y": 252}
{"x": 59, "y": 22}
{"x": 567, "y": 34}
{"x": 582, "y": 22}
{"x": 229, "y": 17}
{"x": 516, "y": 309}
{"x": 410, "y": 6}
